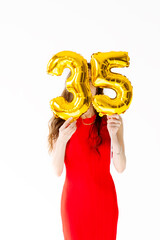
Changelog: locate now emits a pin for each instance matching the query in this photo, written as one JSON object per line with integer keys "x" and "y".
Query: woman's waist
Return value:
{"x": 76, "y": 189}
{"x": 89, "y": 180}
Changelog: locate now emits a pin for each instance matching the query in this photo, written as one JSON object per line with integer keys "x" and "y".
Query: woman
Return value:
{"x": 89, "y": 207}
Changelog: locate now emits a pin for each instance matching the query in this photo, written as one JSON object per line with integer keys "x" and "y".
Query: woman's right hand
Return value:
{"x": 67, "y": 129}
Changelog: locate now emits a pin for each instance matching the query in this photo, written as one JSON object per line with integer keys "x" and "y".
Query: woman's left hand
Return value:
{"x": 113, "y": 124}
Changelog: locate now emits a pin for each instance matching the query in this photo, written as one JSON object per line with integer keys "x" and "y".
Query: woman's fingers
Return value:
{"x": 113, "y": 121}
{"x": 113, "y": 116}
{"x": 114, "y": 125}
{"x": 66, "y": 123}
{"x": 71, "y": 129}
{"x": 70, "y": 126}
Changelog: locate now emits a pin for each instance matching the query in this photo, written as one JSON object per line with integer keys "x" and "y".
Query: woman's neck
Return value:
{"x": 90, "y": 112}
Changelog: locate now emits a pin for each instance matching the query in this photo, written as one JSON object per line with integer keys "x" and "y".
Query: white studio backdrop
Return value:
{"x": 31, "y": 33}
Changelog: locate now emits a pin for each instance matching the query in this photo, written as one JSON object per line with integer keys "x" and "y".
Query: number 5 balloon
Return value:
{"x": 101, "y": 63}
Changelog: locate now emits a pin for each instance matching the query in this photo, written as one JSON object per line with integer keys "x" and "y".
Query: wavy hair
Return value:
{"x": 55, "y": 123}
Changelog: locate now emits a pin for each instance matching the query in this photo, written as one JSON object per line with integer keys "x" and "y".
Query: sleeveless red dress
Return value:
{"x": 89, "y": 207}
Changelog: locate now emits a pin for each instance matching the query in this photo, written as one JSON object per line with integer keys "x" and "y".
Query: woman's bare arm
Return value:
{"x": 59, "y": 146}
{"x": 119, "y": 158}
{"x": 58, "y": 154}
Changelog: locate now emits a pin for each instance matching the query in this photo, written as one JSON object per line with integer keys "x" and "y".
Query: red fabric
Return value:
{"x": 89, "y": 207}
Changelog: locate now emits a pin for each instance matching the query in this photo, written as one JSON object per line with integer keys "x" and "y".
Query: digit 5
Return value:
{"x": 101, "y": 63}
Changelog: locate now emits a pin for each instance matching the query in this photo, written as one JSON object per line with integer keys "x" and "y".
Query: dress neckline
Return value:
{"x": 88, "y": 120}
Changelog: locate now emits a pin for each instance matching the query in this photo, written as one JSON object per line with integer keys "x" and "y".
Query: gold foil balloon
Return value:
{"x": 77, "y": 84}
{"x": 101, "y": 63}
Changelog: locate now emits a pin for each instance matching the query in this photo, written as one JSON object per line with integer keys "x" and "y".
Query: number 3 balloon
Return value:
{"x": 78, "y": 83}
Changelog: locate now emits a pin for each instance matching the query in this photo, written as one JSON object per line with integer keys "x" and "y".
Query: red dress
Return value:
{"x": 89, "y": 207}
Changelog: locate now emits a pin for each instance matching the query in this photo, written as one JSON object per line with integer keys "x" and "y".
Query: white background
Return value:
{"x": 31, "y": 32}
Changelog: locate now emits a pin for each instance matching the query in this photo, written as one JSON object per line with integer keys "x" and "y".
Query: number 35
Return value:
{"x": 78, "y": 83}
